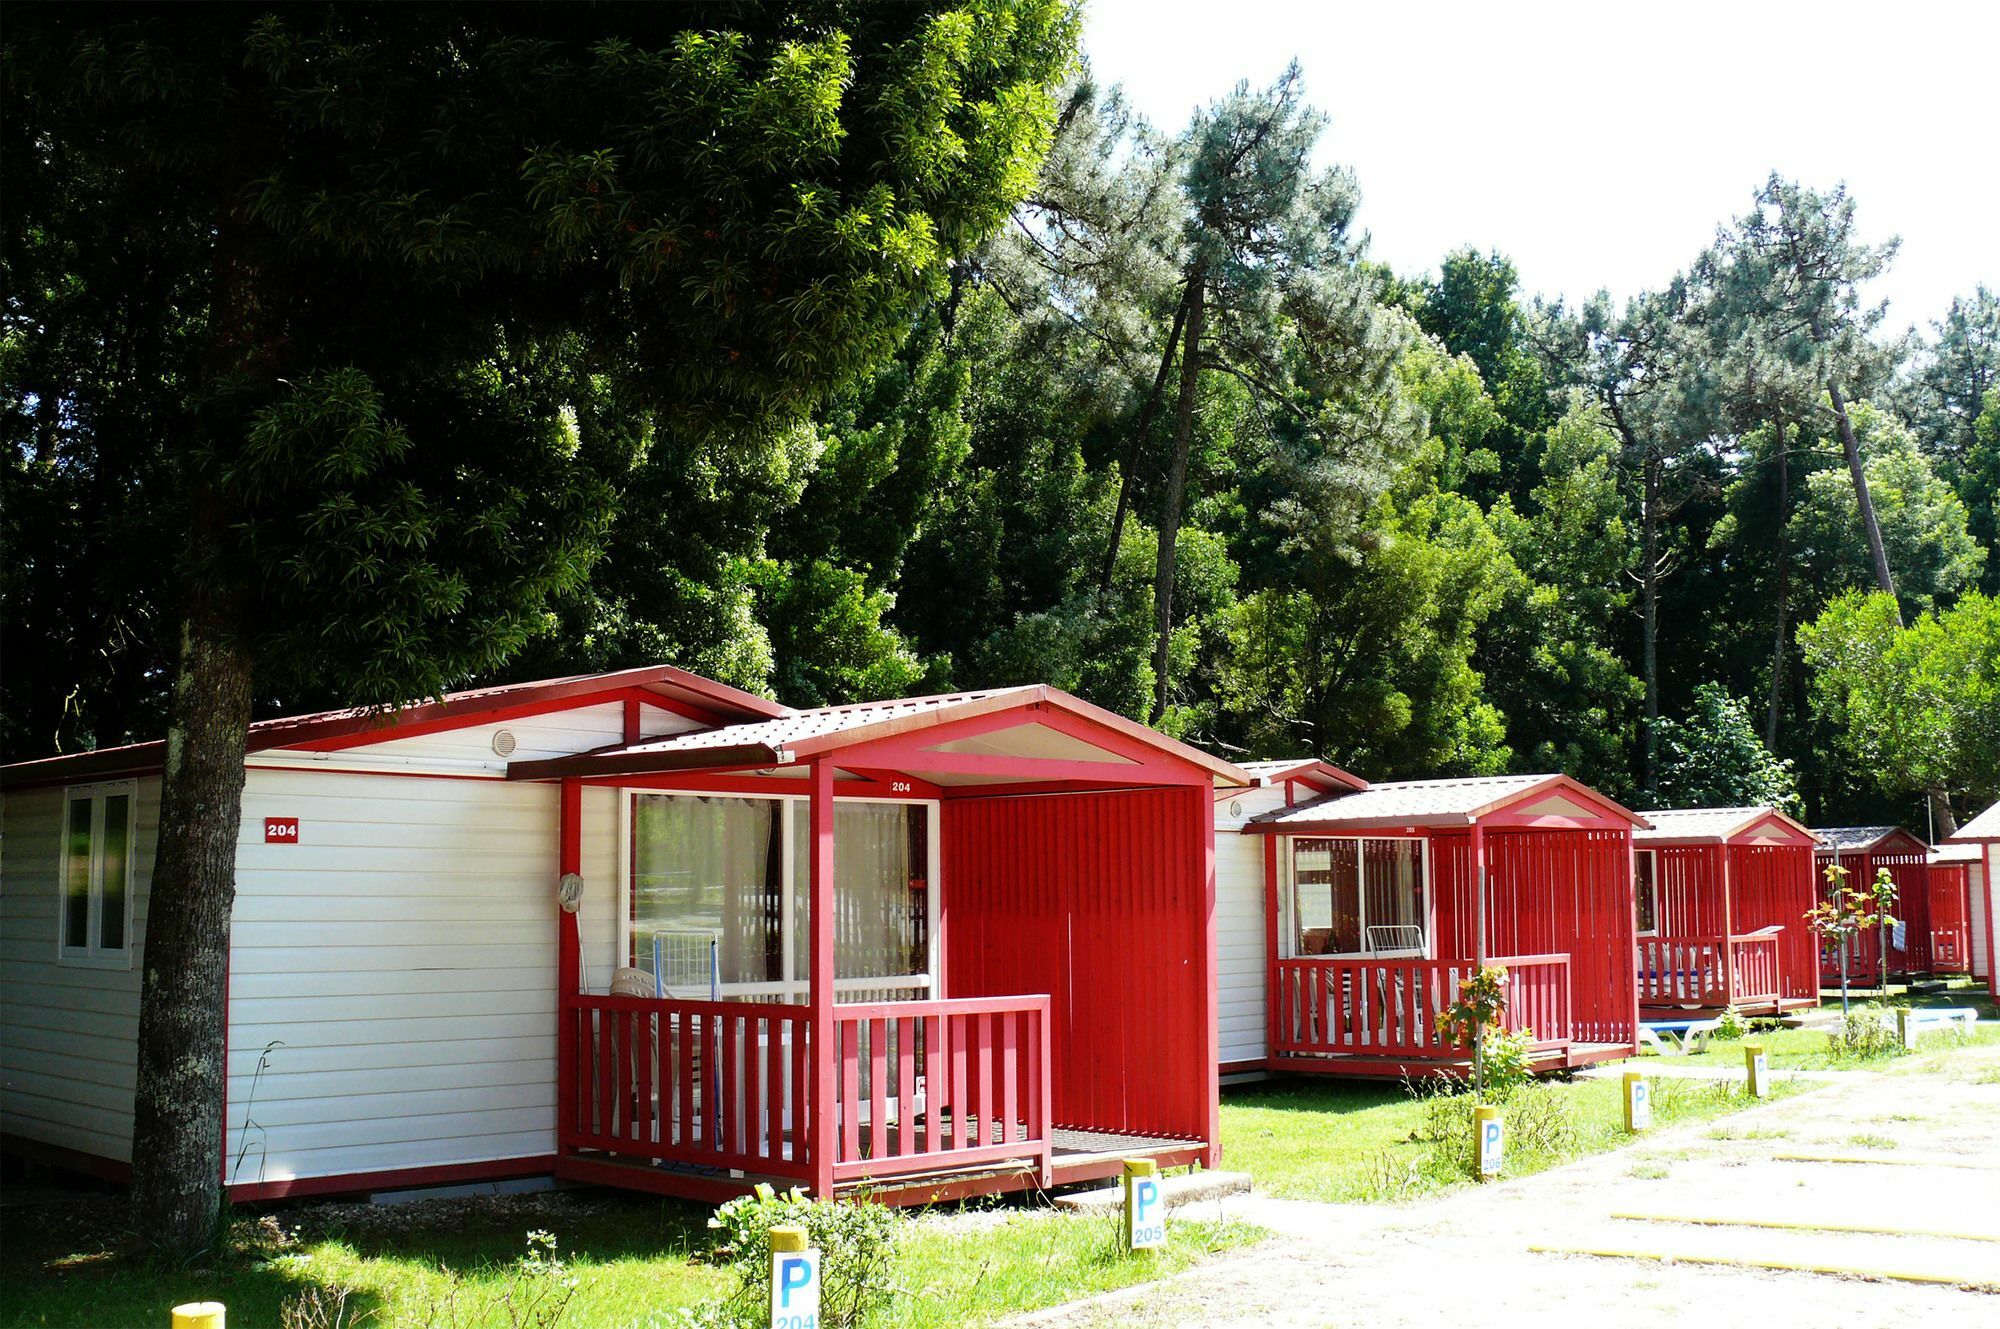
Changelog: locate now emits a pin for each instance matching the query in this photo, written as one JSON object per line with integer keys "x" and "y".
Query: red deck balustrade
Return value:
{"x": 1688, "y": 971}
{"x": 1361, "y": 1006}
{"x": 922, "y": 1086}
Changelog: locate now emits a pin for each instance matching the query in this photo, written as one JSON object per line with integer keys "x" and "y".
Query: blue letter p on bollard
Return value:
{"x": 1145, "y": 1206}
{"x": 794, "y": 1280}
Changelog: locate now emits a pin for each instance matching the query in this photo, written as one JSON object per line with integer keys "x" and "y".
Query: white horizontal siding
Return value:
{"x": 1981, "y": 898}
{"x": 68, "y": 1034}
{"x": 1239, "y": 923}
{"x": 470, "y": 750}
{"x": 394, "y": 973}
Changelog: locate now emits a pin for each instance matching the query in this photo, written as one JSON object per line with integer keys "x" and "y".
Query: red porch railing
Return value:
{"x": 717, "y": 1084}
{"x": 921, "y": 1086}
{"x": 1688, "y": 971}
{"x": 931, "y": 1085}
{"x": 1358, "y": 1006}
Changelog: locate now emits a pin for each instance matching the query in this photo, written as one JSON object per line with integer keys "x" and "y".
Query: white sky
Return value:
{"x": 1601, "y": 144}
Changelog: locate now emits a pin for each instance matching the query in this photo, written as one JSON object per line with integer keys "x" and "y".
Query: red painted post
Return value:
{"x": 1632, "y": 912}
{"x": 569, "y": 950}
{"x": 820, "y": 974}
{"x": 1724, "y": 853}
{"x": 1203, "y": 800}
{"x": 1273, "y": 993}
{"x": 632, "y": 719}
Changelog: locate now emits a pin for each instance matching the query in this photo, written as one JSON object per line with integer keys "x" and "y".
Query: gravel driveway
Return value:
{"x": 1471, "y": 1257}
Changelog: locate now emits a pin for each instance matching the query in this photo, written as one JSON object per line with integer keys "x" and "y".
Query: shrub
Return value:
{"x": 1864, "y": 1036}
{"x": 1509, "y": 1061}
{"x": 1731, "y": 1024}
{"x": 856, "y": 1243}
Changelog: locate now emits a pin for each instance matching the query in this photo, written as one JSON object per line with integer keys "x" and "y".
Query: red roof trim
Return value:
{"x": 664, "y": 685}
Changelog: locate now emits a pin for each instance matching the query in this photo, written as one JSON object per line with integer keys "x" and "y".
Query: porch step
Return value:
{"x": 1177, "y": 1190}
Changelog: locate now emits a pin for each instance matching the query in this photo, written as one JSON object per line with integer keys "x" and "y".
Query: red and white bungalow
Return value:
{"x": 1367, "y": 897}
{"x": 1863, "y": 850}
{"x": 1982, "y": 836}
{"x": 646, "y": 930}
{"x": 1723, "y": 895}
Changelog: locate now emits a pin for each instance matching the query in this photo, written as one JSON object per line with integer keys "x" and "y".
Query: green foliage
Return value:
{"x": 1917, "y": 708}
{"x": 1931, "y": 551}
{"x": 1714, "y": 758}
{"x": 856, "y": 1243}
{"x": 1480, "y": 1002}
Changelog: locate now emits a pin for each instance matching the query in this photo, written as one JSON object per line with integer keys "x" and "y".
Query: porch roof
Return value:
{"x": 1754, "y": 825}
{"x": 1551, "y": 801}
{"x": 1868, "y": 839}
{"x": 1023, "y": 727}
{"x": 1321, "y": 775}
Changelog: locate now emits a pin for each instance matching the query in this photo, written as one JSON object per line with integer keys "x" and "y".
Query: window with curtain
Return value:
{"x": 707, "y": 870}
{"x": 1359, "y": 897}
{"x": 881, "y": 889}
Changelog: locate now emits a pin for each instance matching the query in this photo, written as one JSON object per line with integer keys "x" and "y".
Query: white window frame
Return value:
{"x": 94, "y": 955}
{"x": 1288, "y": 933}
{"x": 790, "y": 990}
{"x": 1653, "y": 857}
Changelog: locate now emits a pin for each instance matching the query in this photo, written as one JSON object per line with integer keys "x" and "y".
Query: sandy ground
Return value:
{"x": 1470, "y": 1258}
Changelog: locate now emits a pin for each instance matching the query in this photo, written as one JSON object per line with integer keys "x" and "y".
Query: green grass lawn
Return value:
{"x": 452, "y": 1264}
{"x": 1359, "y": 1141}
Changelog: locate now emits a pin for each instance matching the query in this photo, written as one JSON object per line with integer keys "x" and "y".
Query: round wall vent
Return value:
{"x": 1235, "y": 807}
{"x": 503, "y": 742}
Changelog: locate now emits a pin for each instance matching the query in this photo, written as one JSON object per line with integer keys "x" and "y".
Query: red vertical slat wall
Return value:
{"x": 1773, "y": 886}
{"x": 1552, "y": 892}
{"x": 1688, "y": 881}
{"x": 1099, "y": 901}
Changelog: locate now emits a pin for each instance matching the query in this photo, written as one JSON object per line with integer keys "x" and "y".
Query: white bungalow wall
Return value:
{"x": 68, "y": 1034}
{"x": 395, "y": 971}
{"x": 1981, "y": 899}
{"x": 1239, "y": 922}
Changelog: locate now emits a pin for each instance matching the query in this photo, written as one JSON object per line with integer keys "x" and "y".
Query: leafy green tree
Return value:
{"x": 1370, "y": 664}
{"x": 1921, "y": 521}
{"x": 1550, "y": 656}
{"x": 1474, "y": 310}
{"x": 1713, "y": 758}
{"x": 417, "y": 270}
{"x": 1635, "y": 364}
{"x": 1917, "y": 707}
{"x": 1794, "y": 266}
{"x": 1951, "y": 378}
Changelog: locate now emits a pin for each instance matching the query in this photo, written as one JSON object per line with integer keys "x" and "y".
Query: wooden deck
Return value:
{"x": 1079, "y": 1156}
{"x": 1568, "y": 1057}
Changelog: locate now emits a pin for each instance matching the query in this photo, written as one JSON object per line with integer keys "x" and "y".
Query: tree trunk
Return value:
{"x": 1137, "y": 450}
{"x": 1876, "y": 553}
{"x": 177, "y": 1130}
{"x": 1170, "y": 510}
{"x": 1944, "y": 824}
{"x": 1778, "y": 648}
{"x": 1649, "y": 597}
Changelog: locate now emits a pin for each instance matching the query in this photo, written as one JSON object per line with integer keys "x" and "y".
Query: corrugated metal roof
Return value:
{"x": 1413, "y": 801}
{"x": 1699, "y": 823}
{"x": 1985, "y": 826}
{"x": 1853, "y": 837}
{"x": 786, "y": 731}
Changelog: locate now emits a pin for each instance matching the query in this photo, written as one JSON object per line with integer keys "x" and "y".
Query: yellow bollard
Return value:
{"x": 1638, "y": 1102}
{"x": 199, "y": 1315}
{"x": 1757, "y": 1070}
{"x": 1491, "y": 1141}
{"x": 1904, "y": 1033}
{"x": 1145, "y": 1210}
{"x": 794, "y": 1277}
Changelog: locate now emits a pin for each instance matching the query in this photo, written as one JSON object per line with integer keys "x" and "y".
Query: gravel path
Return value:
{"x": 1468, "y": 1257}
